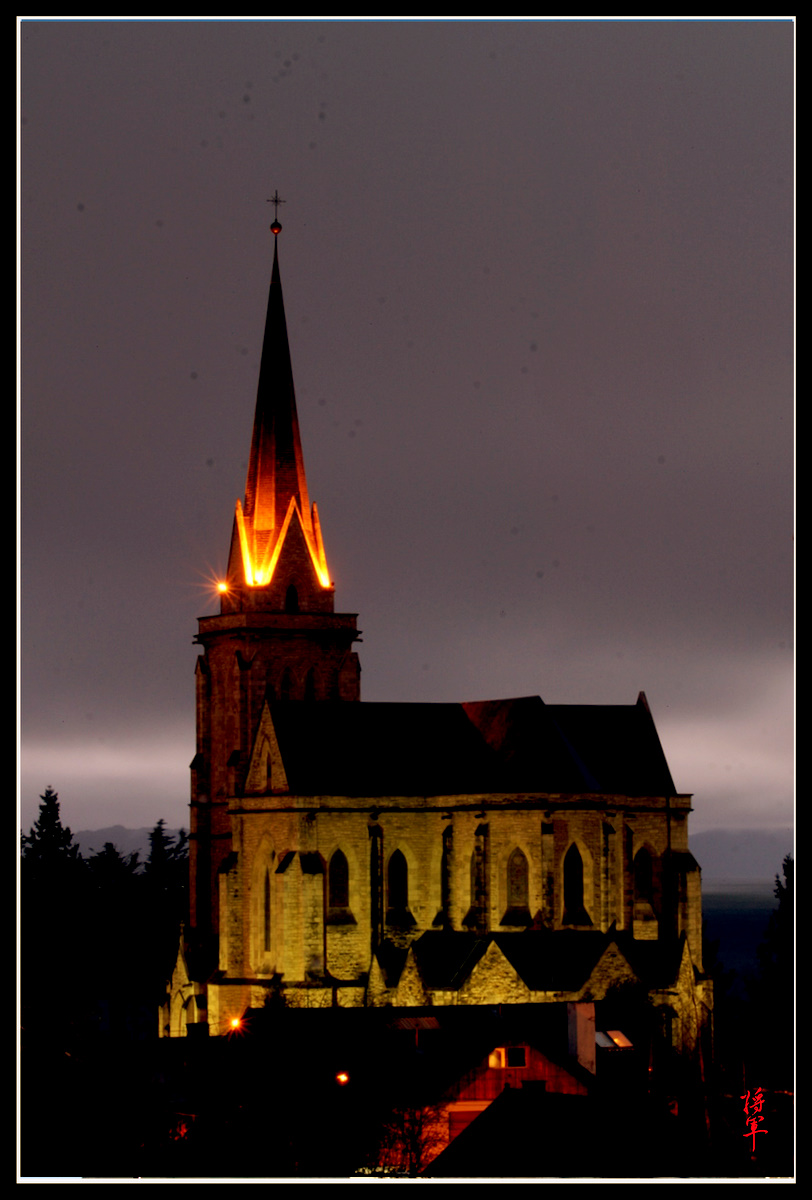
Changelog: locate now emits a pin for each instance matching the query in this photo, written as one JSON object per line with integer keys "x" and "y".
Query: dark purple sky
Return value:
{"x": 539, "y": 288}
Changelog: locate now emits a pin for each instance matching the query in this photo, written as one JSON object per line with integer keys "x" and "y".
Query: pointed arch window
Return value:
{"x": 646, "y": 911}
{"x": 574, "y": 910}
{"x": 398, "y": 880}
{"x": 397, "y": 891}
{"x": 291, "y": 599}
{"x": 477, "y": 916}
{"x": 266, "y": 913}
{"x": 443, "y": 917}
{"x": 286, "y": 685}
{"x": 338, "y": 890}
{"x": 376, "y": 884}
{"x": 517, "y": 880}
{"x": 518, "y": 890}
{"x": 643, "y": 876}
{"x": 338, "y": 881}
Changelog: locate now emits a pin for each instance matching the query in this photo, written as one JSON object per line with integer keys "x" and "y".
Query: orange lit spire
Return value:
{"x": 276, "y": 497}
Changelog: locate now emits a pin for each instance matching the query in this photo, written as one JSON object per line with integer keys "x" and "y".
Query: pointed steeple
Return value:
{"x": 277, "y": 508}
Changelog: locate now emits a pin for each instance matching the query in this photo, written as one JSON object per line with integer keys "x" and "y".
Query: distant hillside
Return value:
{"x": 126, "y": 841}
{"x": 741, "y": 856}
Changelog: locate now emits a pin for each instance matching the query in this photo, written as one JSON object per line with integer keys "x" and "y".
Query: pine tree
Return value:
{"x": 52, "y": 918}
{"x": 49, "y": 846}
{"x": 160, "y": 853}
{"x": 166, "y": 875}
{"x": 773, "y": 990}
{"x": 110, "y": 871}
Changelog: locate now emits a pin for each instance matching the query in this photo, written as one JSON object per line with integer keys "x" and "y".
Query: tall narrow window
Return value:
{"x": 574, "y": 911}
{"x": 517, "y": 880}
{"x": 291, "y": 600}
{"x": 286, "y": 685}
{"x": 338, "y": 881}
{"x": 338, "y": 890}
{"x": 310, "y": 685}
{"x": 643, "y": 880}
{"x": 376, "y": 884}
{"x": 397, "y": 892}
{"x": 477, "y": 917}
{"x": 398, "y": 881}
{"x": 266, "y": 913}
{"x": 445, "y": 875}
{"x": 518, "y": 890}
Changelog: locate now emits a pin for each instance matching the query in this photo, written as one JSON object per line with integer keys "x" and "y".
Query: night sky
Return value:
{"x": 539, "y": 288}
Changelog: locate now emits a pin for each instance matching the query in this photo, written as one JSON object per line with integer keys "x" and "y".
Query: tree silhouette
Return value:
{"x": 776, "y": 952}
{"x": 52, "y": 906}
{"x": 772, "y": 992}
{"x": 110, "y": 869}
{"x": 48, "y": 850}
{"x": 166, "y": 875}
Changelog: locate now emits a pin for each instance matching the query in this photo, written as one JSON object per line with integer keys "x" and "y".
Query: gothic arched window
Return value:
{"x": 517, "y": 880}
{"x": 286, "y": 685}
{"x": 518, "y": 890}
{"x": 376, "y": 883}
{"x": 574, "y": 911}
{"x": 643, "y": 876}
{"x": 477, "y": 916}
{"x": 398, "y": 881}
{"x": 291, "y": 599}
{"x": 445, "y": 875}
{"x": 397, "y": 891}
{"x": 338, "y": 881}
{"x": 266, "y": 913}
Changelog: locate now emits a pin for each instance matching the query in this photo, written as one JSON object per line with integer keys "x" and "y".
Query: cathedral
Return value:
{"x": 414, "y": 856}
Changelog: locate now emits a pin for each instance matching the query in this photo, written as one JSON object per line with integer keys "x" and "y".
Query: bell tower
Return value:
{"x": 276, "y": 637}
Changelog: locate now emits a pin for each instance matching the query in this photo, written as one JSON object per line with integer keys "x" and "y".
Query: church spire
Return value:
{"x": 276, "y": 506}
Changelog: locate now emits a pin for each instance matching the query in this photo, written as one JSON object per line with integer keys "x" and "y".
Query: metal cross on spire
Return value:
{"x": 275, "y": 201}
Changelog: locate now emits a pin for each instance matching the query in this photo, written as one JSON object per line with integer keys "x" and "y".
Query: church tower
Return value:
{"x": 276, "y": 637}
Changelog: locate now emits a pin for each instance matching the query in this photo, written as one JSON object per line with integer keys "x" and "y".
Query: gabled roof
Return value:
{"x": 509, "y": 746}
{"x": 577, "y": 747}
{"x": 360, "y": 749}
{"x": 545, "y": 961}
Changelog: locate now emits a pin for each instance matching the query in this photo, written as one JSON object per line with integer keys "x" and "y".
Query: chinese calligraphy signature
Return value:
{"x": 752, "y": 1111}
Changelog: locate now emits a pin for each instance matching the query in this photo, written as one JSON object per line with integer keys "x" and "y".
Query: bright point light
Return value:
{"x": 235, "y": 1022}
{"x": 342, "y": 1077}
{"x": 222, "y": 587}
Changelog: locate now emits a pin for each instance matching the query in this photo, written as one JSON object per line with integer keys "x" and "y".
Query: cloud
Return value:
{"x": 133, "y": 781}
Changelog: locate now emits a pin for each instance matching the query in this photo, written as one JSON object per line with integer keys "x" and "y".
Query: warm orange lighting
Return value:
{"x": 260, "y": 573}
{"x": 235, "y": 1022}
{"x": 342, "y": 1077}
{"x": 222, "y": 586}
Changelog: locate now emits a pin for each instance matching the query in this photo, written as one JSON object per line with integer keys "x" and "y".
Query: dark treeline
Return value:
{"x": 754, "y": 1045}
{"x": 98, "y": 940}
{"x": 754, "y": 1022}
{"x": 99, "y": 934}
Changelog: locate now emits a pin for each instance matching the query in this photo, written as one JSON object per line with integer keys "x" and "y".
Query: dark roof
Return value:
{"x": 509, "y": 746}
{"x": 547, "y": 961}
{"x": 530, "y": 1133}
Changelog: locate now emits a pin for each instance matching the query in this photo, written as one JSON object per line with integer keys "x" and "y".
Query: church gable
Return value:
{"x": 494, "y": 980}
{"x": 410, "y": 990}
{"x": 295, "y": 584}
{"x": 266, "y": 770}
{"x": 611, "y": 969}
